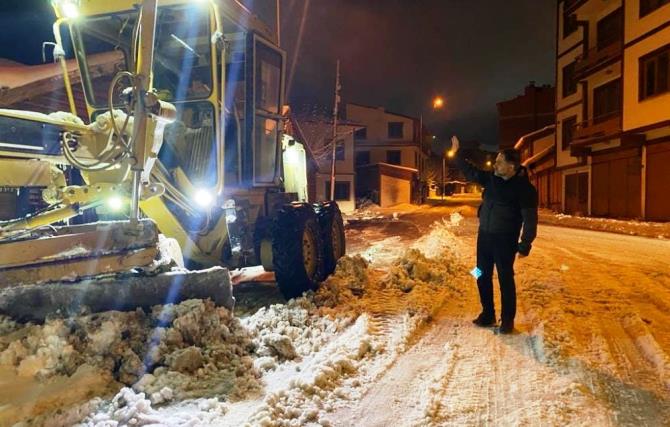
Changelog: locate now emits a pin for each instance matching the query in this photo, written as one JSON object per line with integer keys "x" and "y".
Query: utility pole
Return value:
{"x": 335, "y": 111}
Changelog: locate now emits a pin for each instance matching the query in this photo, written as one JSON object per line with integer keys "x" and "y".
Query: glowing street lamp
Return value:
{"x": 438, "y": 103}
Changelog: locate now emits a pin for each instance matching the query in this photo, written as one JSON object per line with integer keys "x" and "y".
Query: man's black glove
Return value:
{"x": 524, "y": 248}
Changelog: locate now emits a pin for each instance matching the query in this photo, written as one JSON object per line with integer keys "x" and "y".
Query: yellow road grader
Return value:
{"x": 181, "y": 159}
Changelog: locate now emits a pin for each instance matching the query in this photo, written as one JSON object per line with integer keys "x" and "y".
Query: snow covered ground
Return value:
{"x": 385, "y": 341}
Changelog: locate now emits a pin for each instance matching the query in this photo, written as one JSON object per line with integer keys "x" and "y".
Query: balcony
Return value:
{"x": 601, "y": 129}
{"x": 595, "y": 130}
{"x": 593, "y": 58}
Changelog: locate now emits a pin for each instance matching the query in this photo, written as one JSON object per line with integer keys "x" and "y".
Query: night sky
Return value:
{"x": 394, "y": 53}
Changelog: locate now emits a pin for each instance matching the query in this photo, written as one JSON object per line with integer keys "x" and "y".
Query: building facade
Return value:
{"x": 613, "y": 107}
{"x": 389, "y": 147}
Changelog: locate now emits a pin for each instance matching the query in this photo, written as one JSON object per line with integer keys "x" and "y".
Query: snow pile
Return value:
{"x": 320, "y": 383}
{"x": 415, "y": 269}
{"x": 660, "y": 230}
{"x": 346, "y": 285}
{"x": 189, "y": 350}
{"x": 291, "y": 331}
{"x": 134, "y": 409}
{"x": 326, "y": 361}
{"x": 366, "y": 210}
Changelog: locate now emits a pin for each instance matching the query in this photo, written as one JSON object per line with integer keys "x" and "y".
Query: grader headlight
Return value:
{"x": 115, "y": 203}
{"x": 203, "y": 198}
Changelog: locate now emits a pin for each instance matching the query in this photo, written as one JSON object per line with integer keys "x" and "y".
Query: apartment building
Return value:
{"x": 613, "y": 107}
{"x": 389, "y": 155}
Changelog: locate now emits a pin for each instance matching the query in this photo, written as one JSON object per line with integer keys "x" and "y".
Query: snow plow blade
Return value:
{"x": 89, "y": 268}
{"x": 37, "y": 302}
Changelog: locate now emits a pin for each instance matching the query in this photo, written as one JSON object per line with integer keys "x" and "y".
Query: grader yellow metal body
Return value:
{"x": 183, "y": 138}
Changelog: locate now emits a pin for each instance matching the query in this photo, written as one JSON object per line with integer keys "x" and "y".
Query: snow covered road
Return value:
{"x": 592, "y": 344}
{"x": 387, "y": 340}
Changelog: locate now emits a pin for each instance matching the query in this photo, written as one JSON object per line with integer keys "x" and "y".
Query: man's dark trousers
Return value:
{"x": 497, "y": 249}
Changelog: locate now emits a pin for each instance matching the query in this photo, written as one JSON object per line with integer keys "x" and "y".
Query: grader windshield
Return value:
{"x": 182, "y": 68}
{"x": 187, "y": 72}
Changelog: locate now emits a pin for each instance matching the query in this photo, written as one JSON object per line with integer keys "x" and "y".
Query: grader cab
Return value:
{"x": 179, "y": 132}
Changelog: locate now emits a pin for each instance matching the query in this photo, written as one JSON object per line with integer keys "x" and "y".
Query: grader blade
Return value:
{"x": 37, "y": 302}
{"x": 98, "y": 267}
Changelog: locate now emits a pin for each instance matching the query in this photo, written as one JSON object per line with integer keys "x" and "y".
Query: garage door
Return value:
{"x": 577, "y": 193}
{"x": 658, "y": 177}
{"x": 616, "y": 184}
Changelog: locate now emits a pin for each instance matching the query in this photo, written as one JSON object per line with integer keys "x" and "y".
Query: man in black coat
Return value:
{"x": 509, "y": 205}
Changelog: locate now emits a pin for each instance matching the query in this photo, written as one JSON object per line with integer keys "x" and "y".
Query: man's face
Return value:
{"x": 503, "y": 168}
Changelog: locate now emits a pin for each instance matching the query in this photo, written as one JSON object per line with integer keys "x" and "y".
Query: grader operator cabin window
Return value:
{"x": 182, "y": 56}
{"x": 268, "y": 89}
{"x": 182, "y": 75}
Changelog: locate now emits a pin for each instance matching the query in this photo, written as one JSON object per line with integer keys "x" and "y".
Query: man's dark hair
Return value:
{"x": 512, "y": 156}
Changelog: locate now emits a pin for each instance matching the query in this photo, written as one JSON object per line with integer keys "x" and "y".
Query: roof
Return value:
{"x": 539, "y": 156}
{"x": 384, "y": 110}
{"x": 535, "y": 135}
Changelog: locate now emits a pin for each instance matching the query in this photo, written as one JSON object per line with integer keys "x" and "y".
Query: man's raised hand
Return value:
{"x": 455, "y": 144}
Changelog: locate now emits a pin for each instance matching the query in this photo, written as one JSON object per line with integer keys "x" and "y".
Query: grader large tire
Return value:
{"x": 297, "y": 250}
{"x": 332, "y": 234}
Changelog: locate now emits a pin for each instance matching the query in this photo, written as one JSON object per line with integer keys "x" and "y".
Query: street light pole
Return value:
{"x": 442, "y": 177}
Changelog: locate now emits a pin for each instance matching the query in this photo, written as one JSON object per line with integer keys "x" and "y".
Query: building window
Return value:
{"x": 393, "y": 157}
{"x": 342, "y": 190}
{"x": 606, "y": 101}
{"x": 569, "y": 80}
{"x": 395, "y": 129}
{"x": 569, "y": 25}
{"x": 362, "y": 158}
{"x": 361, "y": 133}
{"x": 654, "y": 73}
{"x": 568, "y": 131}
{"x": 610, "y": 29}
{"x": 339, "y": 152}
{"x": 648, "y": 6}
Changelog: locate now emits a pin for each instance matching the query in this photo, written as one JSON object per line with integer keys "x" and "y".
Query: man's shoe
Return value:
{"x": 506, "y": 327}
{"x": 483, "y": 320}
